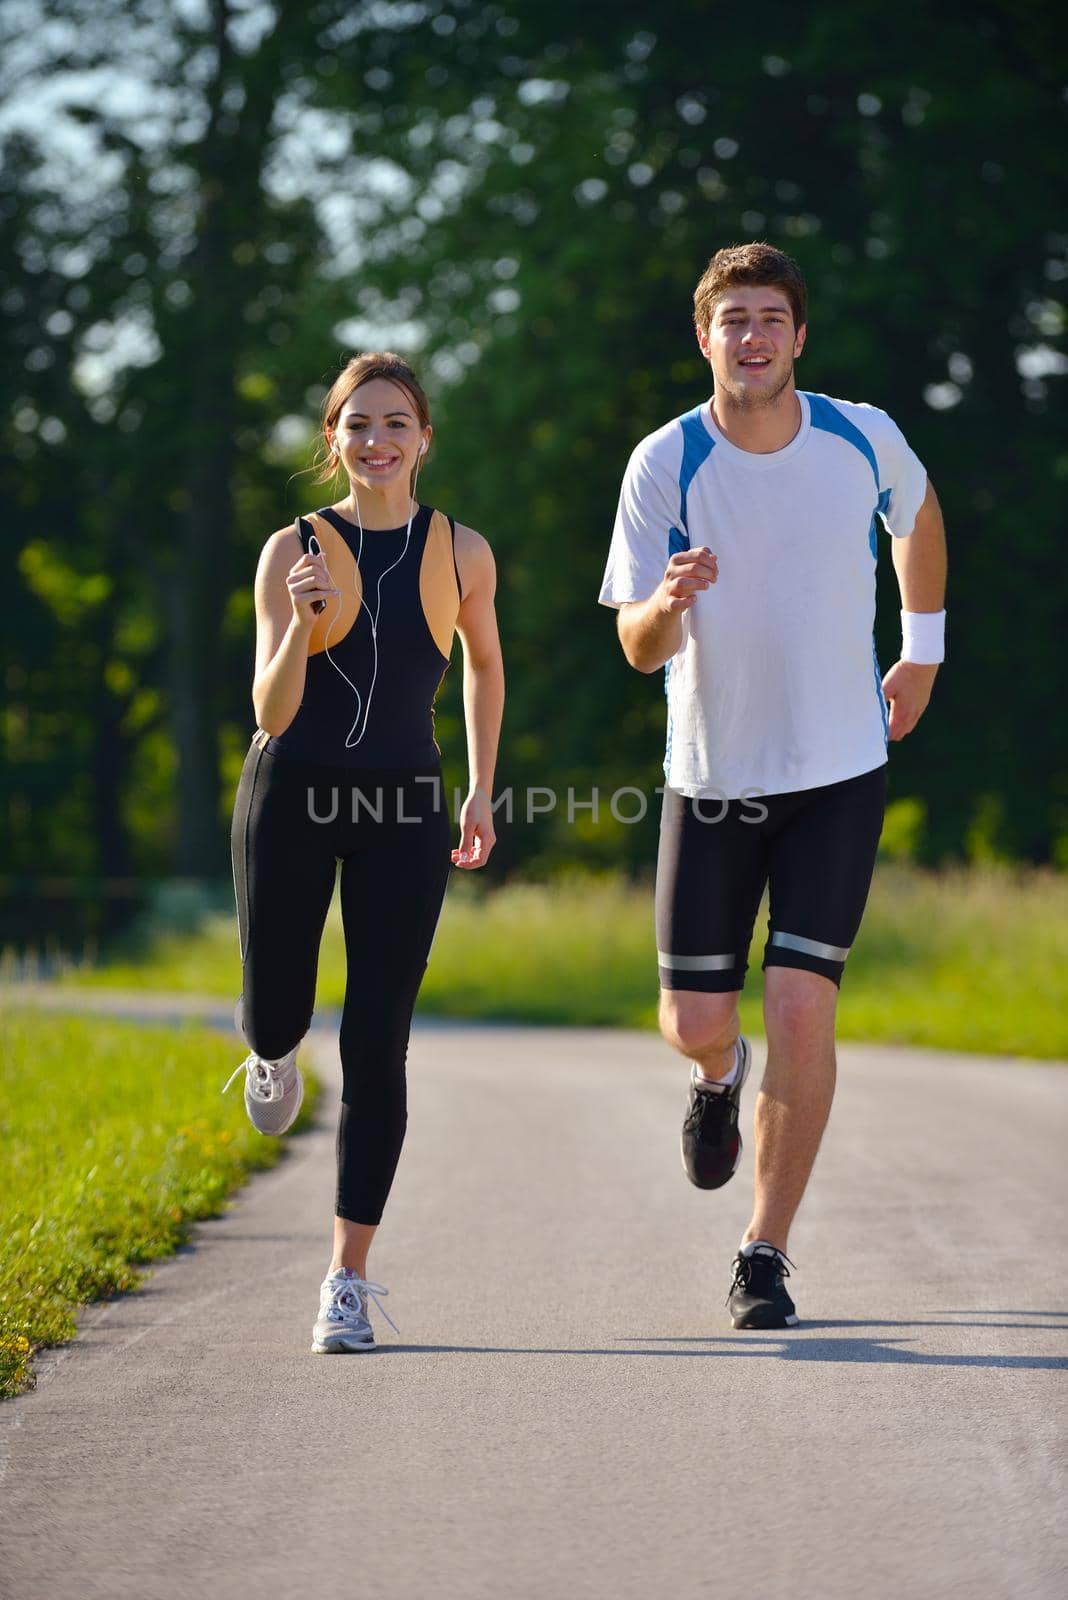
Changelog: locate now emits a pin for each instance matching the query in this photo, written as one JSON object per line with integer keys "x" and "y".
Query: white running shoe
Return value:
{"x": 274, "y": 1091}
{"x": 343, "y": 1323}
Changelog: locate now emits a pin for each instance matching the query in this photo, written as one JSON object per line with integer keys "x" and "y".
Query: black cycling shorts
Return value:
{"x": 816, "y": 852}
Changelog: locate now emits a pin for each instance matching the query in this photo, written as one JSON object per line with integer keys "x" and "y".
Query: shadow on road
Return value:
{"x": 998, "y": 1311}
{"x": 808, "y": 1325}
{"x": 791, "y": 1346}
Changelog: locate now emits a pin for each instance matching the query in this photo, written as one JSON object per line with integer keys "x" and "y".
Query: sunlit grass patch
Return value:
{"x": 113, "y": 1139}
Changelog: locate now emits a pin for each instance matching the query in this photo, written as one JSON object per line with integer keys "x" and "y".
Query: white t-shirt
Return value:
{"x": 776, "y": 686}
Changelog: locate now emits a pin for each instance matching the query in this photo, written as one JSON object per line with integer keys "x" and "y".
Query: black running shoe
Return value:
{"x": 758, "y": 1296}
{"x": 711, "y": 1143}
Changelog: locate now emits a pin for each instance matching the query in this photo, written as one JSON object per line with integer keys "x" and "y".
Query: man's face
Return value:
{"x": 751, "y": 345}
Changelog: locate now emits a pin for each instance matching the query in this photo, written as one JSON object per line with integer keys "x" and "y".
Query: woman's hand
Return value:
{"x": 477, "y": 833}
{"x": 310, "y": 587}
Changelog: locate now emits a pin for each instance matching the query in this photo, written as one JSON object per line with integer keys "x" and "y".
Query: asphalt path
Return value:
{"x": 567, "y": 1413}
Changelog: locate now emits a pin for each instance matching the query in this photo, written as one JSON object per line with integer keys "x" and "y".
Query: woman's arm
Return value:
{"x": 288, "y": 583}
{"x": 483, "y": 693}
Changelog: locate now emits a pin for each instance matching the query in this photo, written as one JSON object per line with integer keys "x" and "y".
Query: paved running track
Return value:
{"x": 567, "y": 1414}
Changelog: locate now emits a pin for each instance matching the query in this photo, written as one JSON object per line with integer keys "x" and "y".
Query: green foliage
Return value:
{"x": 981, "y": 841}
{"x": 112, "y": 1140}
{"x": 906, "y": 158}
{"x": 903, "y": 827}
{"x": 523, "y": 202}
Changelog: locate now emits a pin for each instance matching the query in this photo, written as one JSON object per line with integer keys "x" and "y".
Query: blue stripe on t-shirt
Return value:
{"x": 881, "y": 507}
{"x": 880, "y": 696}
{"x": 670, "y": 724}
{"x": 828, "y": 417}
{"x": 697, "y": 445}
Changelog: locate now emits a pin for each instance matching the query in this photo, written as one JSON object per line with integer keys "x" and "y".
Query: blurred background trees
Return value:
{"x": 208, "y": 206}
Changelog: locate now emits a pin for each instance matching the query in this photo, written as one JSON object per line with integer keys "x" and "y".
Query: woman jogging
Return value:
{"x": 356, "y": 606}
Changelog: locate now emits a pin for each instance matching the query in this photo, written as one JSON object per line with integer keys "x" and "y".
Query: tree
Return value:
{"x": 527, "y": 195}
{"x": 907, "y": 161}
{"x": 149, "y": 306}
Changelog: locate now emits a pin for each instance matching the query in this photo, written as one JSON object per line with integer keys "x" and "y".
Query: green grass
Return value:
{"x": 968, "y": 959}
{"x": 113, "y": 1139}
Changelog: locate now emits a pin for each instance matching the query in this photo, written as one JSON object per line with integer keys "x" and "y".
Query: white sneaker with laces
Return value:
{"x": 343, "y": 1325}
{"x": 274, "y": 1091}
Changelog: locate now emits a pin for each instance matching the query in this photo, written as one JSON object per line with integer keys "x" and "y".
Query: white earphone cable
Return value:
{"x": 372, "y": 616}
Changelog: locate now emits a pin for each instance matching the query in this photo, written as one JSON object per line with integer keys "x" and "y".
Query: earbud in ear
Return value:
{"x": 424, "y": 447}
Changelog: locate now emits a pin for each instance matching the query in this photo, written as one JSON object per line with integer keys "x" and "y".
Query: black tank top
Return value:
{"x": 379, "y": 650}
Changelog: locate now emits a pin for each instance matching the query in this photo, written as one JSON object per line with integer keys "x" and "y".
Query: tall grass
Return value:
{"x": 967, "y": 959}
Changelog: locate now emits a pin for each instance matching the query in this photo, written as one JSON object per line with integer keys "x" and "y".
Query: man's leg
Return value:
{"x": 795, "y": 1097}
{"x": 709, "y": 878}
{"x": 820, "y": 866}
{"x": 710, "y": 875}
{"x": 702, "y": 1027}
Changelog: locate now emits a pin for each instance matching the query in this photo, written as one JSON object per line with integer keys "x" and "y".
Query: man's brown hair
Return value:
{"x": 743, "y": 265}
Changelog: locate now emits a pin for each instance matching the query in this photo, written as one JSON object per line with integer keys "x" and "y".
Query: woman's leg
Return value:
{"x": 352, "y": 1242}
{"x": 284, "y": 869}
{"x": 392, "y": 887}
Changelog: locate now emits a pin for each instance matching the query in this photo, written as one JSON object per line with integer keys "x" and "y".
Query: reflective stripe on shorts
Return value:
{"x": 810, "y": 947}
{"x": 694, "y": 963}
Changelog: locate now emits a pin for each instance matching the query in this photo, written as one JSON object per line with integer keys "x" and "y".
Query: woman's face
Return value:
{"x": 377, "y": 435}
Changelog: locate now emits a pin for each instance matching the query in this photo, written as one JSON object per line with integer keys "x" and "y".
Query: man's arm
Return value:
{"x": 650, "y": 631}
{"x": 920, "y": 564}
{"x": 920, "y": 560}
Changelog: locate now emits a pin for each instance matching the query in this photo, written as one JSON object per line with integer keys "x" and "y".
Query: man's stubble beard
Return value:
{"x": 749, "y": 400}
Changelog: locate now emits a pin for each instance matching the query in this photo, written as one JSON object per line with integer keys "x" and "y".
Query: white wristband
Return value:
{"x": 923, "y": 637}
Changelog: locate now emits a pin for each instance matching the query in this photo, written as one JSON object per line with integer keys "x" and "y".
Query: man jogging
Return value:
{"x": 743, "y": 559}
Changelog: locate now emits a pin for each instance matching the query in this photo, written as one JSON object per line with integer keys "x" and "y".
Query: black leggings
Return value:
{"x": 293, "y": 822}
